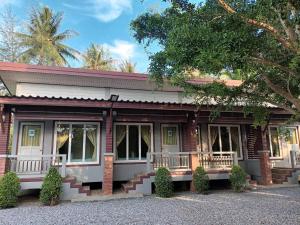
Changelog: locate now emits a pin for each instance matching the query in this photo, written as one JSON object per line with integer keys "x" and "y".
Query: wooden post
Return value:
{"x": 4, "y": 138}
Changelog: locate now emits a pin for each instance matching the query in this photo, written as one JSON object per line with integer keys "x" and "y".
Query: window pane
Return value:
{"x": 91, "y": 143}
{"x": 133, "y": 132}
{"x": 292, "y": 136}
{"x": 275, "y": 142}
{"x": 62, "y": 139}
{"x": 121, "y": 142}
{"x": 214, "y": 139}
{"x": 225, "y": 139}
{"x": 145, "y": 140}
{"x": 235, "y": 140}
{"x": 170, "y": 135}
{"x": 31, "y": 135}
{"x": 77, "y": 143}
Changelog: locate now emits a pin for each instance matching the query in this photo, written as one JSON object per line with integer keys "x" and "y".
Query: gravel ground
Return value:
{"x": 272, "y": 206}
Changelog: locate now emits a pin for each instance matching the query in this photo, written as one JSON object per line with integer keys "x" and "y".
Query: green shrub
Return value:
{"x": 9, "y": 189}
{"x": 51, "y": 188}
{"x": 238, "y": 179}
{"x": 200, "y": 180}
{"x": 163, "y": 183}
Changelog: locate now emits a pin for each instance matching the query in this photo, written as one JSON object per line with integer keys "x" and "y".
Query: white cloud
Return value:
{"x": 121, "y": 49}
{"x": 5, "y": 3}
{"x": 103, "y": 10}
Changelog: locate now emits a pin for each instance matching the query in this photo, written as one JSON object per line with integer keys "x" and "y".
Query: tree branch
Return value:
{"x": 272, "y": 30}
{"x": 280, "y": 91}
{"x": 274, "y": 64}
{"x": 289, "y": 31}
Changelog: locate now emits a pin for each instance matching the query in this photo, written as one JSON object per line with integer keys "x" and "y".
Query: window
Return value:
{"x": 225, "y": 138}
{"x": 31, "y": 135}
{"x": 274, "y": 142}
{"x": 79, "y": 141}
{"x": 289, "y": 136}
{"x": 132, "y": 141}
{"x": 169, "y": 135}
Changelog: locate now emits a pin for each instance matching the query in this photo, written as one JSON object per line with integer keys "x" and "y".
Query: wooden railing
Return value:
{"x": 35, "y": 164}
{"x": 183, "y": 160}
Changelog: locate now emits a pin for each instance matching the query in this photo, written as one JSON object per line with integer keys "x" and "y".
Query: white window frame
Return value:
{"x": 84, "y": 140}
{"x": 279, "y": 140}
{"x": 220, "y": 140}
{"x": 41, "y": 137}
{"x": 127, "y": 160}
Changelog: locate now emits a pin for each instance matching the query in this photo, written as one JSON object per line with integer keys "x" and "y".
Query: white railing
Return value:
{"x": 170, "y": 160}
{"x": 295, "y": 158}
{"x": 183, "y": 160}
{"x": 217, "y": 160}
{"x": 35, "y": 164}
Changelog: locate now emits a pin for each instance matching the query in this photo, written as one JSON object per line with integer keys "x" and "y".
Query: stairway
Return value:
{"x": 140, "y": 183}
{"x": 72, "y": 188}
{"x": 281, "y": 175}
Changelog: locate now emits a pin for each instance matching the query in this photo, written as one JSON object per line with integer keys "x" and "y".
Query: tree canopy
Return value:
{"x": 97, "y": 57}
{"x": 42, "y": 41}
{"x": 127, "y": 66}
{"x": 255, "y": 40}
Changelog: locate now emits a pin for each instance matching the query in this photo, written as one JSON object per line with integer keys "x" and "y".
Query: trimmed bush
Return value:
{"x": 51, "y": 188}
{"x": 163, "y": 183}
{"x": 9, "y": 189}
{"x": 238, "y": 179}
{"x": 200, "y": 180}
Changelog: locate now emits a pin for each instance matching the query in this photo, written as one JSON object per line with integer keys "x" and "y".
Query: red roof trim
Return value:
{"x": 27, "y": 68}
{"x": 19, "y": 67}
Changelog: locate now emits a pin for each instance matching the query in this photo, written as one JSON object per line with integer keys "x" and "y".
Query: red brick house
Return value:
{"x": 110, "y": 126}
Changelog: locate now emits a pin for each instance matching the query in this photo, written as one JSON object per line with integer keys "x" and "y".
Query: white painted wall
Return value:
{"x": 46, "y": 90}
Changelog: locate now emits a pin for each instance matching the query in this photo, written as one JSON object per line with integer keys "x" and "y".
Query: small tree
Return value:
{"x": 9, "y": 189}
{"x": 200, "y": 180}
{"x": 238, "y": 179}
{"x": 51, "y": 188}
{"x": 163, "y": 183}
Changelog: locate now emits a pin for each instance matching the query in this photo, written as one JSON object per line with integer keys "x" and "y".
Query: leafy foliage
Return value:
{"x": 163, "y": 183}
{"x": 238, "y": 179}
{"x": 200, "y": 180}
{"x": 127, "y": 66}
{"x": 9, "y": 189}
{"x": 43, "y": 43}
{"x": 255, "y": 41}
{"x": 97, "y": 57}
{"x": 51, "y": 188}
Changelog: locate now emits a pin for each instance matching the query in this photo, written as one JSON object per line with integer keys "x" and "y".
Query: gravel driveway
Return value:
{"x": 272, "y": 206}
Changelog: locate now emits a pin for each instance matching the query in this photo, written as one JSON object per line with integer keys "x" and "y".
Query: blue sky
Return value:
{"x": 104, "y": 22}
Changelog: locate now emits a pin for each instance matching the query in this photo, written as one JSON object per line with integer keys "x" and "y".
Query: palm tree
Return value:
{"x": 97, "y": 57}
{"x": 43, "y": 43}
{"x": 127, "y": 66}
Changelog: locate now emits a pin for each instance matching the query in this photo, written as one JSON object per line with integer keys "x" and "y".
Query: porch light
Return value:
{"x": 114, "y": 98}
{"x": 3, "y": 118}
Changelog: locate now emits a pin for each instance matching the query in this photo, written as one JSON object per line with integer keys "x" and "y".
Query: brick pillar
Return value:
{"x": 108, "y": 173}
{"x": 4, "y": 140}
{"x": 107, "y": 184}
{"x": 265, "y": 165}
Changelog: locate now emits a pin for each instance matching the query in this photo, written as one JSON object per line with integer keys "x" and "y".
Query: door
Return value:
{"x": 170, "y": 138}
{"x": 290, "y": 140}
{"x": 31, "y": 140}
